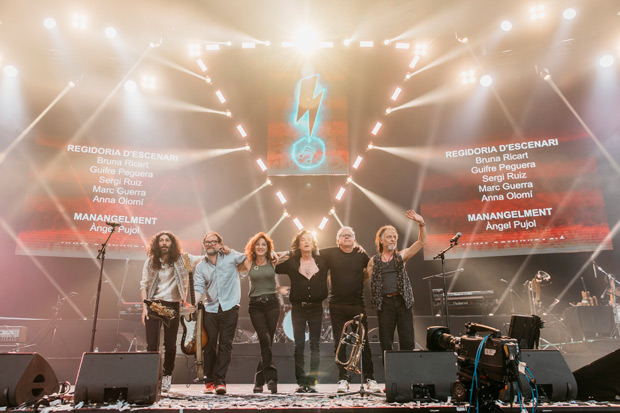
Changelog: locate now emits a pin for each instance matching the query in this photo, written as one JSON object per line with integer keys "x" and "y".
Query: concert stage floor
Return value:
{"x": 184, "y": 398}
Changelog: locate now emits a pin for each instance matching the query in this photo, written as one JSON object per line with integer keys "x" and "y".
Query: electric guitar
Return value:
{"x": 191, "y": 342}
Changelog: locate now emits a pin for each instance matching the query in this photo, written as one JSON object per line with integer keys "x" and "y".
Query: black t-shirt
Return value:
{"x": 347, "y": 275}
{"x": 313, "y": 290}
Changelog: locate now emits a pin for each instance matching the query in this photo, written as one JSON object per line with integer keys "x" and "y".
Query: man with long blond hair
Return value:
{"x": 391, "y": 292}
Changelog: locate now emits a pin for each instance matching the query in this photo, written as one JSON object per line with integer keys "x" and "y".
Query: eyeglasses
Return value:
{"x": 211, "y": 242}
{"x": 346, "y": 235}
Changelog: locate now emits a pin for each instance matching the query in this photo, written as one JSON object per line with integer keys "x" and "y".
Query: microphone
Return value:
{"x": 455, "y": 238}
{"x": 113, "y": 224}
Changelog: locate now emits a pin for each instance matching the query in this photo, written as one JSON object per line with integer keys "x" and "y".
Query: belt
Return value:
{"x": 307, "y": 303}
{"x": 263, "y": 298}
{"x": 390, "y": 295}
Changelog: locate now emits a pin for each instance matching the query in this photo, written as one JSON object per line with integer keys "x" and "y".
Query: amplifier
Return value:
{"x": 12, "y": 334}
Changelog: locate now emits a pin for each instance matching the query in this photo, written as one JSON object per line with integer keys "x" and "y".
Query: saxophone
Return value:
{"x": 161, "y": 310}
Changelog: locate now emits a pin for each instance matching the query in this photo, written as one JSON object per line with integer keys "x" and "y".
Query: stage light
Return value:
{"x": 287, "y": 45}
{"x": 285, "y": 214}
{"x": 347, "y": 42}
{"x": 79, "y": 21}
{"x": 467, "y": 77}
{"x": 386, "y": 42}
{"x": 10, "y": 71}
{"x": 267, "y": 43}
{"x": 220, "y": 96}
{"x": 211, "y": 47}
{"x": 154, "y": 45}
{"x": 130, "y": 86}
{"x": 396, "y": 93}
{"x": 537, "y": 12}
{"x": 298, "y": 224}
{"x": 332, "y": 211}
{"x": 408, "y": 76}
{"x": 326, "y": 45}
{"x": 349, "y": 180}
{"x": 606, "y": 60}
{"x": 357, "y": 162}
{"x": 148, "y": 82}
{"x": 506, "y": 26}
{"x": 370, "y": 146}
{"x": 195, "y": 51}
{"x": 388, "y": 111}
{"x": 110, "y": 32}
{"x": 420, "y": 49}
{"x": 248, "y": 45}
{"x": 569, "y": 14}
{"x": 228, "y": 43}
{"x": 323, "y": 223}
{"x": 241, "y": 131}
{"x": 208, "y": 80}
{"x": 414, "y": 61}
{"x": 340, "y": 193}
{"x": 261, "y": 164}
{"x": 71, "y": 84}
{"x": 306, "y": 39}
{"x": 375, "y": 130}
{"x": 402, "y": 45}
{"x": 268, "y": 181}
{"x": 281, "y": 197}
{"x": 247, "y": 147}
{"x": 49, "y": 23}
{"x": 486, "y": 80}
{"x": 228, "y": 113}
{"x": 367, "y": 43}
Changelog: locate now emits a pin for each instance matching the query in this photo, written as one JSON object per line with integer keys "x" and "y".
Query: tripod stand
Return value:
{"x": 442, "y": 255}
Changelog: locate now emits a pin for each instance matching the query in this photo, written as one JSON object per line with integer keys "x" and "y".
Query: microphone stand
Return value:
{"x": 442, "y": 256}
{"x": 100, "y": 256}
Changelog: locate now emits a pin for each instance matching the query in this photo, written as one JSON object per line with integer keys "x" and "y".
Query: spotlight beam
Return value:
{"x": 174, "y": 104}
{"x": 337, "y": 218}
{"x": 227, "y": 211}
{"x": 282, "y": 218}
{"x": 597, "y": 142}
{"x": 41, "y": 268}
{"x": 390, "y": 209}
{"x": 26, "y": 131}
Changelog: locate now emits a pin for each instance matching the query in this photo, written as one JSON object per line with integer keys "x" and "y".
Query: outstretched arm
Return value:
{"x": 414, "y": 248}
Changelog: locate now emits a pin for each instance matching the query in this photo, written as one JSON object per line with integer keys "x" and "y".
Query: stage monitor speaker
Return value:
{"x": 25, "y": 377}
{"x": 110, "y": 377}
{"x": 419, "y": 375}
{"x": 553, "y": 377}
{"x": 600, "y": 380}
{"x": 526, "y": 329}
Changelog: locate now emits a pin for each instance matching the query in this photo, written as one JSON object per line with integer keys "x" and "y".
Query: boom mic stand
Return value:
{"x": 442, "y": 256}
{"x": 100, "y": 256}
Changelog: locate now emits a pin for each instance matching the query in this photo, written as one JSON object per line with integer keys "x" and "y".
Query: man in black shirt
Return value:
{"x": 347, "y": 266}
{"x": 308, "y": 274}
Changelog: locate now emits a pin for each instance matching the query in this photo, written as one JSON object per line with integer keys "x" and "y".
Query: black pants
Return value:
{"x": 312, "y": 316}
{"x": 221, "y": 328}
{"x": 340, "y": 314}
{"x": 395, "y": 315}
{"x": 264, "y": 314}
{"x": 153, "y": 327}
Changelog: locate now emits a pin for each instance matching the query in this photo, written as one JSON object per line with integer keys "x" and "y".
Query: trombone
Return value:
{"x": 353, "y": 333}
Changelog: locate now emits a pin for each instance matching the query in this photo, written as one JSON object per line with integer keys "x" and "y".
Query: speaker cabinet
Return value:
{"x": 553, "y": 377}
{"x": 600, "y": 380}
{"x": 25, "y": 377}
{"x": 109, "y": 377}
{"x": 419, "y": 375}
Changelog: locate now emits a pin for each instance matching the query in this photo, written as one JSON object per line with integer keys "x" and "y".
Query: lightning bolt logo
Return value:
{"x": 308, "y": 101}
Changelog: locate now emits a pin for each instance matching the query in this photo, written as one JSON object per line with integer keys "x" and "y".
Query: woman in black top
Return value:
{"x": 308, "y": 274}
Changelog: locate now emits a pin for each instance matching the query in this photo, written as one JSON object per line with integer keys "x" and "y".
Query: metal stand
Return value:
{"x": 442, "y": 256}
{"x": 100, "y": 256}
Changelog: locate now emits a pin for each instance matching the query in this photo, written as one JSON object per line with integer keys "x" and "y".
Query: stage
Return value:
{"x": 184, "y": 398}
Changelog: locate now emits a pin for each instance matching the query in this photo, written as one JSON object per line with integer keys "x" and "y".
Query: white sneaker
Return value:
{"x": 372, "y": 386}
{"x": 343, "y": 386}
{"x": 166, "y": 381}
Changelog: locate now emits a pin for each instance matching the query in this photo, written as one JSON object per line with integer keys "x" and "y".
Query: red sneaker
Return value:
{"x": 220, "y": 389}
{"x": 209, "y": 388}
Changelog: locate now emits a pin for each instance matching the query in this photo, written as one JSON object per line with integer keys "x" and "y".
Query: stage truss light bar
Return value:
{"x": 357, "y": 162}
{"x": 414, "y": 61}
{"x": 79, "y": 21}
{"x": 248, "y": 45}
{"x": 420, "y": 49}
{"x": 367, "y": 43}
{"x": 220, "y": 96}
{"x": 211, "y": 47}
{"x": 194, "y": 50}
{"x": 298, "y": 224}
{"x": 375, "y": 130}
{"x": 323, "y": 223}
{"x": 396, "y": 93}
{"x": 241, "y": 131}
{"x": 340, "y": 193}
{"x": 261, "y": 164}
{"x": 402, "y": 45}
{"x": 281, "y": 197}
{"x": 326, "y": 45}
